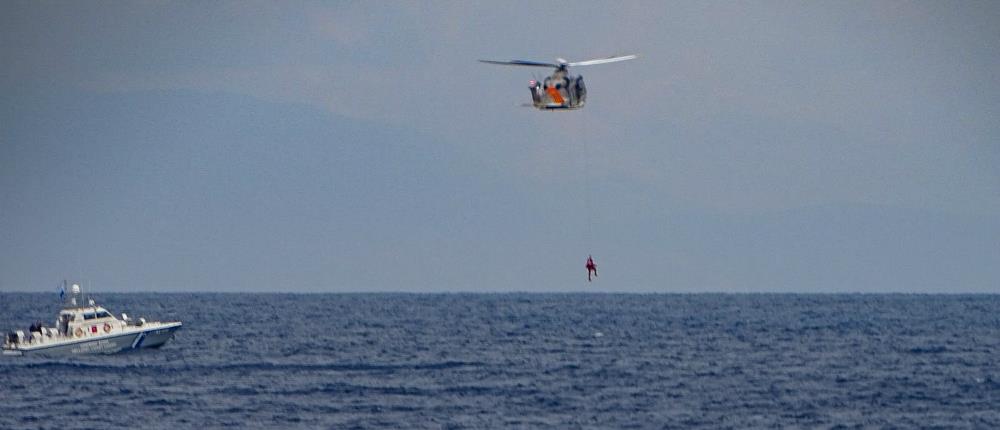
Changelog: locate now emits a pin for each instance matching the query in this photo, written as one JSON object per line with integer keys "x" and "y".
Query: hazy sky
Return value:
{"x": 359, "y": 146}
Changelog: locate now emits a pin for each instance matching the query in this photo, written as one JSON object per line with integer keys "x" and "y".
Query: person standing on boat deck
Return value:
{"x": 591, "y": 268}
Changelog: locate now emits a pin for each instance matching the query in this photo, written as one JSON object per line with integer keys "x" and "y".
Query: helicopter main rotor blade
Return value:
{"x": 602, "y": 60}
{"x": 521, "y": 63}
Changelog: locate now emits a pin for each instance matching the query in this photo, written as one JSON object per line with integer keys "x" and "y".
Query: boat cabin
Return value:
{"x": 79, "y": 322}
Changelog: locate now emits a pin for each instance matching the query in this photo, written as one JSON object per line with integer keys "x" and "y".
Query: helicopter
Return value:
{"x": 560, "y": 90}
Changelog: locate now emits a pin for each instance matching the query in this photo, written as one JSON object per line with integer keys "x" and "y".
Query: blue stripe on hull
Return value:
{"x": 137, "y": 343}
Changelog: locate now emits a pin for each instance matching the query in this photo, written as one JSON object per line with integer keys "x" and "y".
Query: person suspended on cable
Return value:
{"x": 591, "y": 268}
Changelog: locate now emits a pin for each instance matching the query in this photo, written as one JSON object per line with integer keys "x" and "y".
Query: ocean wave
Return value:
{"x": 72, "y": 366}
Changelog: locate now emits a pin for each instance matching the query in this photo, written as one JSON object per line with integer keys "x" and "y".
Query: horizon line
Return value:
{"x": 502, "y": 292}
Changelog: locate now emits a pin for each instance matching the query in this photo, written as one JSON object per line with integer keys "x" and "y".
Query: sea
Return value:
{"x": 522, "y": 360}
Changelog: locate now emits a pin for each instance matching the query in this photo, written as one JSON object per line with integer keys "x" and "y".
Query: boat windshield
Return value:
{"x": 95, "y": 315}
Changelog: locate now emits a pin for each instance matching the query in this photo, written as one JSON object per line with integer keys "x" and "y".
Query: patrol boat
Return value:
{"x": 89, "y": 329}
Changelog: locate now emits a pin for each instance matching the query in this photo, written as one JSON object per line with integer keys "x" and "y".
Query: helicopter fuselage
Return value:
{"x": 558, "y": 91}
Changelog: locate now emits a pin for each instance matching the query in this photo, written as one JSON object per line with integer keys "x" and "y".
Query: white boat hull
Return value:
{"x": 151, "y": 336}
